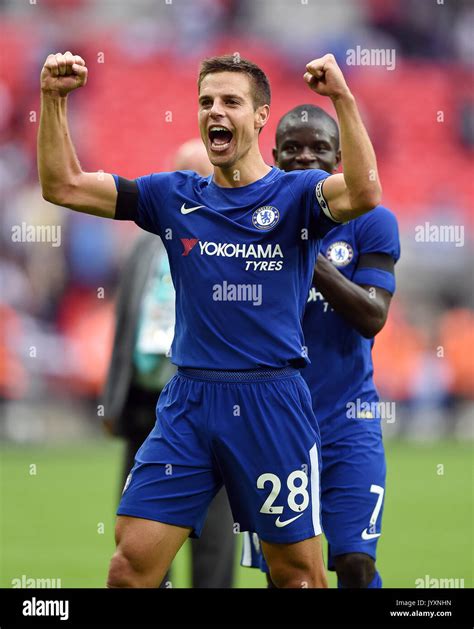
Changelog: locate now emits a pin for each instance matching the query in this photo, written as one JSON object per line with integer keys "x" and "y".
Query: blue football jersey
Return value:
{"x": 241, "y": 260}
{"x": 340, "y": 376}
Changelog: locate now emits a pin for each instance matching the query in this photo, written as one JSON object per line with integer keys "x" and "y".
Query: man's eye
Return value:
{"x": 290, "y": 149}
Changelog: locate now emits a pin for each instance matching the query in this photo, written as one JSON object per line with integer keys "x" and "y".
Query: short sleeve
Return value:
{"x": 153, "y": 191}
{"x": 319, "y": 211}
{"x": 377, "y": 232}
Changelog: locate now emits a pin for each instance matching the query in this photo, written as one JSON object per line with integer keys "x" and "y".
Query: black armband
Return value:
{"x": 323, "y": 203}
{"x": 381, "y": 261}
{"x": 126, "y": 208}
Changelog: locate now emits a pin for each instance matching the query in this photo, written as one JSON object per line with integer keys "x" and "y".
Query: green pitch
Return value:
{"x": 57, "y": 513}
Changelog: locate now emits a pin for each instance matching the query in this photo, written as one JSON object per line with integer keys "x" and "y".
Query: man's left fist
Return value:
{"x": 325, "y": 77}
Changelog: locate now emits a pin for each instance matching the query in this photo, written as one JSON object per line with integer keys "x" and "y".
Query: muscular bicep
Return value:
{"x": 92, "y": 193}
{"x": 342, "y": 205}
{"x": 337, "y": 196}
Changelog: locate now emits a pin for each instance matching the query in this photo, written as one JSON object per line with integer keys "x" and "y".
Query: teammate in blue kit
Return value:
{"x": 347, "y": 306}
{"x": 242, "y": 246}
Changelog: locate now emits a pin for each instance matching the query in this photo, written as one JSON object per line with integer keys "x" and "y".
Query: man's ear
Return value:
{"x": 338, "y": 160}
{"x": 262, "y": 115}
{"x": 275, "y": 156}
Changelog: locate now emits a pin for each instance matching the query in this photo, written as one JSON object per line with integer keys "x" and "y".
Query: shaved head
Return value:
{"x": 307, "y": 137}
{"x": 308, "y": 115}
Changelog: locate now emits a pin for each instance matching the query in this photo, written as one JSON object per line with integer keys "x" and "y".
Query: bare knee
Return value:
{"x": 289, "y": 578}
{"x": 122, "y": 573}
{"x": 128, "y": 569}
{"x": 284, "y": 575}
{"x": 355, "y": 570}
{"x": 297, "y": 565}
{"x": 145, "y": 550}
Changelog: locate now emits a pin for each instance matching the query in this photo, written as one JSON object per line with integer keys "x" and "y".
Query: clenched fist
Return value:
{"x": 325, "y": 77}
{"x": 63, "y": 73}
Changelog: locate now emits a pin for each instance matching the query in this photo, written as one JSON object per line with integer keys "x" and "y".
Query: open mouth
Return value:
{"x": 220, "y": 137}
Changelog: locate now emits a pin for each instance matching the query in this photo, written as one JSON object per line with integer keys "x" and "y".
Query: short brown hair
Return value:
{"x": 261, "y": 94}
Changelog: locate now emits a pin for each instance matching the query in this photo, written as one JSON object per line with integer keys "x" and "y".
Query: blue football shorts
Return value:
{"x": 352, "y": 496}
{"x": 253, "y": 431}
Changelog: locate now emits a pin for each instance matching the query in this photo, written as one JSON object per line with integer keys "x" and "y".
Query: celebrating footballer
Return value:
{"x": 238, "y": 412}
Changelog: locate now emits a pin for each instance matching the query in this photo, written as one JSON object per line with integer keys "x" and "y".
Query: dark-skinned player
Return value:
{"x": 347, "y": 306}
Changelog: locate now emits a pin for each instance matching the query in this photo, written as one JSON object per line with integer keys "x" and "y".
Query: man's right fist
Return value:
{"x": 63, "y": 73}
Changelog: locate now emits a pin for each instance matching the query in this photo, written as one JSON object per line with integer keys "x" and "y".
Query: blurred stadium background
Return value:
{"x": 59, "y": 472}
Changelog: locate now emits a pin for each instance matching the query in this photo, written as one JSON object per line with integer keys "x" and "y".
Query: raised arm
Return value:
{"x": 358, "y": 190}
{"x": 63, "y": 182}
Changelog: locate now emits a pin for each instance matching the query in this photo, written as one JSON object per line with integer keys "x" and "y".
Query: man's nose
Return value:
{"x": 306, "y": 155}
{"x": 216, "y": 110}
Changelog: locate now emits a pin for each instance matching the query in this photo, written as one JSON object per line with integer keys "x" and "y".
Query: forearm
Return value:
{"x": 58, "y": 165}
{"x": 358, "y": 156}
{"x": 358, "y": 190}
{"x": 348, "y": 299}
{"x": 62, "y": 180}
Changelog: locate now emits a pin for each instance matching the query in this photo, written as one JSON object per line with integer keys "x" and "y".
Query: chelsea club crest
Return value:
{"x": 340, "y": 253}
{"x": 265, "y": 217}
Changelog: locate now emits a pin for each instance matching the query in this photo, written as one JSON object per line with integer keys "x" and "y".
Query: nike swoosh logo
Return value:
{"x": 280, "y": 524}
{"x": 188, "y": 210}
{"x": 366, "y": 535}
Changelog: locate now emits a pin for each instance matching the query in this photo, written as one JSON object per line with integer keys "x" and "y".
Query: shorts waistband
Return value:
{"x": 238, "y": 375}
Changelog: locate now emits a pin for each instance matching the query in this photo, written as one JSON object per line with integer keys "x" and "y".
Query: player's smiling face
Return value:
{"x": 306, "y": 145}
{"x": 228, "y": 120}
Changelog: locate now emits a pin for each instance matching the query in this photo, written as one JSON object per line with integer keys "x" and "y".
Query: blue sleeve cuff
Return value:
{"x": 375, "y": 277}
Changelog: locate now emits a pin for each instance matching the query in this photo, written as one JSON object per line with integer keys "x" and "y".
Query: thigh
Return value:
{"x": 174, "y": 477}
{"x": 352, "y": 494}
{"x": 148, "y": 546}
{"x": 302, "y": 562}
{"x": 300, "y": 553}
{"x": 268, "y": 453}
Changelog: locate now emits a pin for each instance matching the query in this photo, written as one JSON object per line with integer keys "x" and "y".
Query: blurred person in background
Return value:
{"x": 348, "y": 305}
{"x": 140, "y": 368}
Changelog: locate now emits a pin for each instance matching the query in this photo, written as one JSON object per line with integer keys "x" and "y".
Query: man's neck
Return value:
{"x": 249, "y": 169}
